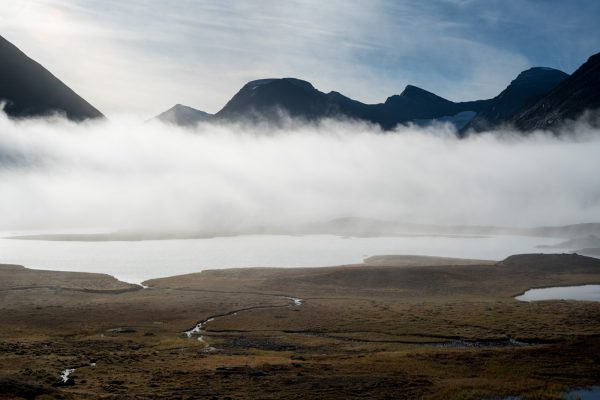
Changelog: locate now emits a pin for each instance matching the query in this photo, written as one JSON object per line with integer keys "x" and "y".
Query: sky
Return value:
{"x": 140, "y": 57}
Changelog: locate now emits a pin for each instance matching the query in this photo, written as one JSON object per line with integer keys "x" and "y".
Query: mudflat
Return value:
{"x": 393, "y": 327}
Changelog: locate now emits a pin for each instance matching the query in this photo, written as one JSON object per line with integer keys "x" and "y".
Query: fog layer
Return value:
{"x": 124, "y": 174}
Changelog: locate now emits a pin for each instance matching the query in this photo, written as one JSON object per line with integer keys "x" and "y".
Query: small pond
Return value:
{"x": 591, "y": 393}
{"x": 584, "y": 292}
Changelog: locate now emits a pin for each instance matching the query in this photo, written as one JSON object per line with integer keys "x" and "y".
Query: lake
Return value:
{"x": 138, "y": 261}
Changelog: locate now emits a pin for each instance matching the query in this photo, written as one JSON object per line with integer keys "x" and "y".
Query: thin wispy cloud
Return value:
{"x": 144, "y": 56}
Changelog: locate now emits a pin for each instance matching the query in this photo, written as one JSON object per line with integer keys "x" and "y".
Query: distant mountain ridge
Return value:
{"x": 29, "y": 90}
{"x": 274, "y": 99}
{"x": 539, "y": 97}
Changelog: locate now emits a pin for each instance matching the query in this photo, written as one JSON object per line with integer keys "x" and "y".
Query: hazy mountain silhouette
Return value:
{"x": 29, "y": 90}
{"x": 183, "y": 115}
{"x": 569, "y": 100}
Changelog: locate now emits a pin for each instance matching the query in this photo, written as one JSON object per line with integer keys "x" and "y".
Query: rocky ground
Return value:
{"x": 394, "y": 327}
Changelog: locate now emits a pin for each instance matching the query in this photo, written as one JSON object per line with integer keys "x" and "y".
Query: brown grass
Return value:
{"x": 363, "y": 332}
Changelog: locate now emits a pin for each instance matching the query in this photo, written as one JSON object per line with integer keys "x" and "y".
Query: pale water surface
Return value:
{"x": 591, "y": 393}
{"x": 583, "y": 292}
{"x": 138, "y": 261}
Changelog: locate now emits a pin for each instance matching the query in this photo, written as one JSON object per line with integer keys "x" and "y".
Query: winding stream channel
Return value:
{"x": 199, "y": 330}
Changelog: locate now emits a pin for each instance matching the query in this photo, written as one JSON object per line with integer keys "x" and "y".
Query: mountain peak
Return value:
{"x": 266, "y": 99}
{"x": 183, "y": 115}
{"x": 526, "y": 89}
{"x": 259, "y": 82}
{"x": 414, "y": 91}
{"x": 567, "y": 101}
{"x": 183, "y": 107}
{"x": 594, "y": 58}
{"x": 537, "y": 75}
{"x": 414, "y": 94}
{"x": 30, "y": 90}
{"x": 253, "y": 85}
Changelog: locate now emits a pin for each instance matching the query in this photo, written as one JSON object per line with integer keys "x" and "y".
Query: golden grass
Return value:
{"x": 363, "y": 332}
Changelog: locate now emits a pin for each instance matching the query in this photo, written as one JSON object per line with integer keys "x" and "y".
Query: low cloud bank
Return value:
{"x": 124, "y": 174}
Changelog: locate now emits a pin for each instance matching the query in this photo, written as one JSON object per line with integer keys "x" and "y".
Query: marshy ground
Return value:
{"x": 393, "y": 327}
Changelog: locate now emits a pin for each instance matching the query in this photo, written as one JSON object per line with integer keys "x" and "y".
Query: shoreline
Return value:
{"x": 138, "y": 261}
{"x": 394, "y": 261}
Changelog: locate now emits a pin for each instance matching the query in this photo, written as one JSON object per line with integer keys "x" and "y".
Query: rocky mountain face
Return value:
{"x": 578, "y": 93}
{"x": 29, "y": 90}
{"x": 529, "y": 87}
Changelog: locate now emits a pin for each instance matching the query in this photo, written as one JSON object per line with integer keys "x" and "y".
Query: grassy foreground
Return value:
{"x": 396, "y": 327}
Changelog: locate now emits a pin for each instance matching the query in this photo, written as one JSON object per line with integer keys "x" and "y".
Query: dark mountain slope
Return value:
{"x": 528, "y": 87}
{"x": 29, "y": 90}
{"x": 569, "y": 100}
{"x": 413, "y": 105}
{"x": 416, "y": 103}
{"x": 269, "y": 98}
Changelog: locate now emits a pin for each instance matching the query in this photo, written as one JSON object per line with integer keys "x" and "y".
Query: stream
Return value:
{"x": 64, "y": 375}
{"x": 199, "y": 330}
